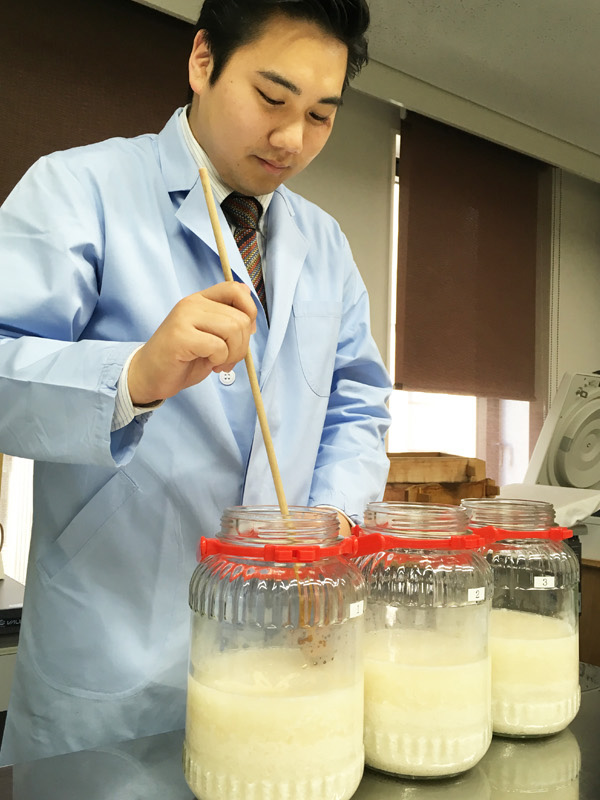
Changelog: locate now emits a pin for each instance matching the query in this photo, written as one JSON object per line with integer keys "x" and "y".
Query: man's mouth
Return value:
{"x": 274, "y": 167}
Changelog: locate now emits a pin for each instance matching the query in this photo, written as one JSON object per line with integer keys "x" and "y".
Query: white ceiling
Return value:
{"x": 535, "y": 61}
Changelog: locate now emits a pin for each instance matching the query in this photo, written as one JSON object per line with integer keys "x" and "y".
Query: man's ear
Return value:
{"x": 200, "y": 63}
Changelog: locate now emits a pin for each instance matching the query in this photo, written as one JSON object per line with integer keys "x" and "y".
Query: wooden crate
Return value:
{"x": 434, "y": 468}
{"x": 446, "y": 493}
{"x": 436, "y": 478}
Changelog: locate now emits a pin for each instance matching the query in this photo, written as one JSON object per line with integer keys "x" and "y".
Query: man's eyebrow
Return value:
{"x": 275, "y": 77}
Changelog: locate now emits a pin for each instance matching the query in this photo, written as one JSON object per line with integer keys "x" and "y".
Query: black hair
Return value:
{"x": 230, "y": 24}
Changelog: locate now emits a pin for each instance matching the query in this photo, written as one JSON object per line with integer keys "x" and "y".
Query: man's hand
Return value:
{"x": 345, "y": 528}
{"x": 205, "y": 332}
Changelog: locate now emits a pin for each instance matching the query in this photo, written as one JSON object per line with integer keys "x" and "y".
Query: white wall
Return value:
{"x": 575, "y": 294}
{"x": 16, "y": 514}
{"x": 352, "y": 179}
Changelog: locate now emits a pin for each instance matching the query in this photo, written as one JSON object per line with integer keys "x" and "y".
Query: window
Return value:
{"x": 493, "y": 429}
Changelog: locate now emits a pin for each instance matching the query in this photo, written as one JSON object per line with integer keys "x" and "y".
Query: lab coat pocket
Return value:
{"x": 83, "y": 528}
{"x": 317, "y": 326}
{"x": 104, "y": 592}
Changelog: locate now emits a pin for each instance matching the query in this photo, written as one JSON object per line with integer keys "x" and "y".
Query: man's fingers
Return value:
{"x": 232, "y": 293}
{"x": 206, "y": 330}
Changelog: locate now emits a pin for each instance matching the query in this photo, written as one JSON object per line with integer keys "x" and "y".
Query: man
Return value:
{"x": 121, "y": 367}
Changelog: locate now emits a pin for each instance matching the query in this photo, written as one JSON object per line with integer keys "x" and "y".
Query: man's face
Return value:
{"x": 272, "y": 108}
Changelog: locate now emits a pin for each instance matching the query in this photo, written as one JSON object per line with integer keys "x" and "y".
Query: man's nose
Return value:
{"x": 289, "y": 137}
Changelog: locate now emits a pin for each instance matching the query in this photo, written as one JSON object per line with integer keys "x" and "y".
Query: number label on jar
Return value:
{"x": 356, "y": 609}
{"x": 543, "y": 582}
{"x": 476, "y": 595}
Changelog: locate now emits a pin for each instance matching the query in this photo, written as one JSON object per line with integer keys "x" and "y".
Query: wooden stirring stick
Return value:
{"x": 307, "y": 641}
{"x": 258, "y": 402}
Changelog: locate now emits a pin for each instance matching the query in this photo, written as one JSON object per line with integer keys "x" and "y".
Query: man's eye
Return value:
{"x": 318, "y": 117}
{"x": 270, "y": 100}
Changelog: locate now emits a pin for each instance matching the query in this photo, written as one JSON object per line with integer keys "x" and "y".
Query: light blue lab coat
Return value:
{"x": 97, "y": 244}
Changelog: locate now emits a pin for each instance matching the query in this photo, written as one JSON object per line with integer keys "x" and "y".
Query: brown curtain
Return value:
{"x": 79, "y": 71}
{"x": 465, "y": 319}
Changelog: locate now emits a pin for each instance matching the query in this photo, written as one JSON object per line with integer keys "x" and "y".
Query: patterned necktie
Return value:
{"x": 244, "y": 213}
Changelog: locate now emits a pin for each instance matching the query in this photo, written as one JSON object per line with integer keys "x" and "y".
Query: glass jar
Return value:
{"x": 534, "y": 638}
{"x": 275, "y": 688}
{"x": 427, "y": 667}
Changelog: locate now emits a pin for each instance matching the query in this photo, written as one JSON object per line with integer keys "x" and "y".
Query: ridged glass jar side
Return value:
{"x": 534, "y": 620}
{"x": 433, "y": 579}
{"x": 274, "y": 595}
{"x": 276, "y": 678}
{"x": 425, "y": 576}
{"x": 522, "y": 566}
{"x": 526, "y": 564}
{"x": 247, "y": 590}
{"x": 427, "y": 667}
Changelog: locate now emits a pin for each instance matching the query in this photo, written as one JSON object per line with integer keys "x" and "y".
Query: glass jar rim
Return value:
{"x": 417, "y": 520}
{"x": 513, "y": 514}
{"x": 264, "y": 533}
{"x": 270, "y": 523}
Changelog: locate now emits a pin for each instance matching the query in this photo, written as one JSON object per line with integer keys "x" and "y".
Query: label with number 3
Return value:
{"x": 543, "y": 582}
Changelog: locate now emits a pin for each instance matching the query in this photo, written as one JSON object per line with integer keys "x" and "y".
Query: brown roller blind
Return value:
{"x": 467, "y": 245}
{"x": 79, "y": 71}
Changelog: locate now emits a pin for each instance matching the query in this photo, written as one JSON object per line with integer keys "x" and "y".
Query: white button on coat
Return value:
{"x": 227, "y": 378}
